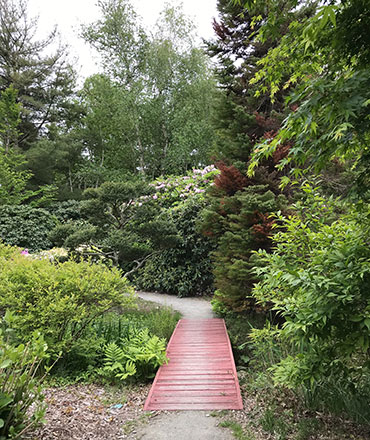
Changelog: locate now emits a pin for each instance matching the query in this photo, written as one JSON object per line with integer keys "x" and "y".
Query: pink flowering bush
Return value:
{"x": 176, "y": 189}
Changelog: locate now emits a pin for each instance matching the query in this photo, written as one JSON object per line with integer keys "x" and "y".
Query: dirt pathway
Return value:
{"x": 191, "y": 308}
{"x": 182, "y": 425}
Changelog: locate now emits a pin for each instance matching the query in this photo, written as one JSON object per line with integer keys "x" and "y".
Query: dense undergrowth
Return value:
{"x": 68, "y": 322}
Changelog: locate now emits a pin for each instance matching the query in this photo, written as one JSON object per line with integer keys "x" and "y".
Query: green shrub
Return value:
{"x": 26, "y": 227}
{"x": 66, "y": 211}
{"x": 138, "y": 355}
{"x": 318, "y": 280}
{"x": 60, "y": 300}
{"x": 21, "y": 399}
{"x": 185, "y": 269}
{"x": 239, "y": 328}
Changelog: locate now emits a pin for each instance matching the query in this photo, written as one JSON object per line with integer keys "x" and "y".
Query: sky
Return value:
{"x": 68, "y": 15}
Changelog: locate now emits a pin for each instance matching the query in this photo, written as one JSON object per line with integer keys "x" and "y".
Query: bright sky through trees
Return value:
{"x": 70, "y": 14}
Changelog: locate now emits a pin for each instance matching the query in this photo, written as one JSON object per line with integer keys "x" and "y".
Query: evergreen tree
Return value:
{"x": 244, "y": 112}
{"x": 44, "y": 81}
{"x": 238, "y": 219}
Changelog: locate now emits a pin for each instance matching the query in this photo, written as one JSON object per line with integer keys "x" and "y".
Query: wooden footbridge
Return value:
{"x": 200, "y": 374}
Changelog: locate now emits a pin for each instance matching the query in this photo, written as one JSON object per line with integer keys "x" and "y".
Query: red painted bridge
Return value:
{"x": 200, "y": 374}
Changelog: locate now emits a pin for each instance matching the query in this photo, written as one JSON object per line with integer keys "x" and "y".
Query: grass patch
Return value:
{"x": 275, "y": 424}
{"x": 306, "y": 428}
{"x": 237, "y": 430}
{"x": 161, "y": 321}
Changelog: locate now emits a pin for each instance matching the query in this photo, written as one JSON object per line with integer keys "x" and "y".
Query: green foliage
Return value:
{"x": 26, "y": 227}
{"x": 21, "y": 399}
{"x": 85, "y": 358}
{"x": 328, "y": 77}
{"x": 58, "y": 300}
{"x": 242, "y": 115}
{"x": 240, "y": 223}
{"x": 274, "y": 425}
{"x": 186, "y": 268}
{"x": 66, "y": 211}
{"x": 160, "y": 321}
{"x": 43, "y": 78}
{"x": 150, "y": 112}
{"x": 317, "y": 279}
{"x": 119, "y": 228}
{"x": 13, "y": 179}
{"x": 9, "y": 118}
{"x": 139, "y": 354}
{"x": 238, "y": 432}
{"x": 108, "y": 130}
{"x": 239, "y": 327}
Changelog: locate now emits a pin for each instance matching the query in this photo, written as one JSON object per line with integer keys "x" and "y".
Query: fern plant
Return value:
{"x": 138, "y": 356}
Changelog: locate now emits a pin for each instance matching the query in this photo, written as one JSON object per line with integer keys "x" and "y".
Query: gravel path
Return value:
{"x": 191, "y": 308}
{"x": 182, "y": 425}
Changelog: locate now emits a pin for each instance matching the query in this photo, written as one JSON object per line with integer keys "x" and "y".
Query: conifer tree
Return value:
{"x": 42, "y": 79}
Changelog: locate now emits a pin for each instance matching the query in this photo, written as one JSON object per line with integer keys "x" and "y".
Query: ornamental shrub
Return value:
{"x": 117, "y": 227}
{"x": 65, "y": 211}
{"x": 185, "y": 269}
{"x": 59, "y": 300}
{"x": 26, "y": 227}
{"x": 318, "y": 280}
{"x": 174, "y": 190}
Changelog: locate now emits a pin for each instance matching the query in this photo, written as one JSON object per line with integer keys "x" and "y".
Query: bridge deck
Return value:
{"x": 200, "y": 374}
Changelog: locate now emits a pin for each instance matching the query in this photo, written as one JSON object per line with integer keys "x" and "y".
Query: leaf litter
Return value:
{"x": 91, "y": 412}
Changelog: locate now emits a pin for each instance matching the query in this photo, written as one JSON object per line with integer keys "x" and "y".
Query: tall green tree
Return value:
{"x": 237, "y": 217}
{"x": 163, "y": 86}
{"x": 14, "y": 176}
{"x": 9, "y": 119}
{"x": 44, "y": 80}
{"x": 242, "y": 115}
{"x": 108, "y": 130}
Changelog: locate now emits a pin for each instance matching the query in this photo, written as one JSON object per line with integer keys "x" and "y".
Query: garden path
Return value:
{"x": 190, "y": 308}
{"x": 184, "y": 425}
